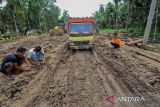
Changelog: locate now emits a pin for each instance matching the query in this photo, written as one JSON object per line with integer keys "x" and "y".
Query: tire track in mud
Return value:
{"x": 12, "y": 90}
{"x": 41, "y": 81}
{"x": 113, "y": 85}
{"x": 73, "y": 84}
{"x": 52, "y": 86}
{"x": 79, "y": 82}
{"x": 130, "y": 70}
{"x": 93, "y": 91}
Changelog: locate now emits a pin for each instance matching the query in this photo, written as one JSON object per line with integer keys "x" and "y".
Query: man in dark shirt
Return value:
{"x": 13, "y": 61}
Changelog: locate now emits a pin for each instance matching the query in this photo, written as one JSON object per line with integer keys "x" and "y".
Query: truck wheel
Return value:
{"x": 72, "y": 51}
{"x": 91, "y": 49}
{"x": 68, "y": 46}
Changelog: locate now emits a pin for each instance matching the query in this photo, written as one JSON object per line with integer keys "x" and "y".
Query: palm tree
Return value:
{"x": 128, "y": 13}
{"x": 14, "y": 4}
{"x": 116, "y": 12}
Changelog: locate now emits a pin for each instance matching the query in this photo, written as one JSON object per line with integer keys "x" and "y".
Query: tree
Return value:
{"x": 131, "y": 15}
{"x": 64, "y": 16}
{"x": 23, "y": 15}
{"x": 149, "y": 22}
{"x": 101, "y": 9}
{"x": 116, "y": 12}
{"x": 14, "y": 5}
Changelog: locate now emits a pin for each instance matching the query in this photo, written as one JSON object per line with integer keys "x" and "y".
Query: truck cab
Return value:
{"x": 81, "y": 33}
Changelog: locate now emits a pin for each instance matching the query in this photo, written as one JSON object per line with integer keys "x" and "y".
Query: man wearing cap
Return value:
{"x": 12, "y": 62}
{"x": 36, "y": 56}
{"x": 116, "y": 42}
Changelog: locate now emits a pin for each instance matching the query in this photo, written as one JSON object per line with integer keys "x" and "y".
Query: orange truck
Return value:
{"x": 81, "y": 33}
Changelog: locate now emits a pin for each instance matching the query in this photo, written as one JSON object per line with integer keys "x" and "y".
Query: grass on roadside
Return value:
{"x": 134, "y": 31}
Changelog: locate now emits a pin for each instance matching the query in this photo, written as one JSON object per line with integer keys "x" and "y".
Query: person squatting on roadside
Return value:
{"x": 12, "y": 62}
{"x": 116, "y": 42}
{"x": 36, "y": 56}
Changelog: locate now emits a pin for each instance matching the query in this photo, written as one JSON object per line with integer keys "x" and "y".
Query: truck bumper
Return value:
{"x": 82, "y": 47}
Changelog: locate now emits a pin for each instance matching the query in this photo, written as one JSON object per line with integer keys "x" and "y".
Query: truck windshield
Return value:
{"x": 81, "y": 27}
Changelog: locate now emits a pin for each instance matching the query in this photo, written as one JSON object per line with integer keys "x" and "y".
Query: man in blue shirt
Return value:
{"x": 36, "y": 55}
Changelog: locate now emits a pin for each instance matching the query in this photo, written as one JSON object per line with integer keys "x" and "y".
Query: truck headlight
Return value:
{"x": 90, "y": 43}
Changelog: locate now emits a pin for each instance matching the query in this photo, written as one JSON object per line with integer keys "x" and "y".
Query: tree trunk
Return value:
{"x": 15, "y": 23}
{"x": 45, "y": 23}
{"x": 154, "y": 38}
{"x": 29, "y": 28}
{"x": 149, "y": 22}
{"x": 134, "y": 42}
{"x": 126, "y": 27}
{"x": 116, "y": 14}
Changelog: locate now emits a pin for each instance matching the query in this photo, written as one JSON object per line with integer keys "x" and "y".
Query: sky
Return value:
{"x": 81, "y": 8}
{"x": 3, "y": 4}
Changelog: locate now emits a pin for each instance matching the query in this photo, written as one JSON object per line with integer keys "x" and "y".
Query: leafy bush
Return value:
{"x": 39, "y": 31}
{"x": 12, "y": 34}
{"x": 1, "y": 38}
{"x": 130, "y": 30}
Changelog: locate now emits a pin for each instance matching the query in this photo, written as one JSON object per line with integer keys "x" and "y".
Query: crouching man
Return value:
{"x": 12, "y": 62}
{"x": 116, "y": 42}
{"x": 36, "y": 56}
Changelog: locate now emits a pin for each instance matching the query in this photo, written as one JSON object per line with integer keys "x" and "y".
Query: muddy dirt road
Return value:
{"x": 83, "y": 78}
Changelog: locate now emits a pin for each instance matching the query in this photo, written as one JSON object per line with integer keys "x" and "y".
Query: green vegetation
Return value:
{"x": 20, "y": 16}
{"x": 134, "y": 31}
{"x": 129, "y": 16}
{"x": 112, "y": 30}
